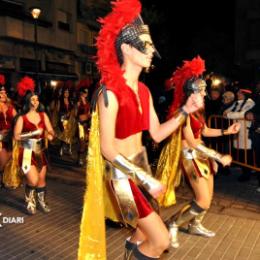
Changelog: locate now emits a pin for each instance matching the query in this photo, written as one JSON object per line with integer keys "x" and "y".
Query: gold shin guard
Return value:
{"x": 187, "y": 214}
{"x": 196, "y": 227}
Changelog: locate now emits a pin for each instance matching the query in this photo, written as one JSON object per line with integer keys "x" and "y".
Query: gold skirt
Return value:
{"x": 197, "y": 164}
{"x": 120, "y": 192}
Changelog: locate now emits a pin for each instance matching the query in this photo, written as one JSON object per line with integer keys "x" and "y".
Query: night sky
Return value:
{"x": 192, "y": 28}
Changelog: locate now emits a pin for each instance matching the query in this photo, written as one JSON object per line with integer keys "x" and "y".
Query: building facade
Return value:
{"x": 59, "y": 45}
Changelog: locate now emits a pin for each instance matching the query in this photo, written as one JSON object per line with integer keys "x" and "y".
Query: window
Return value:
{"x": 64, "y": 20}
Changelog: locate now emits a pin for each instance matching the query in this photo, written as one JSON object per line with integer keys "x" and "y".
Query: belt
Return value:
{"x": 36, "y": 145}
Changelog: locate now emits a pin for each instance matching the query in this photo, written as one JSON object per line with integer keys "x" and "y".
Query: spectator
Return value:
{"x": 254, "y": 131}
{"x": 243, "y": 144}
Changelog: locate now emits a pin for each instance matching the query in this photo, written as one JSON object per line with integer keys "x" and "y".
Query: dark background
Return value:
{"x": 188, "y": 29}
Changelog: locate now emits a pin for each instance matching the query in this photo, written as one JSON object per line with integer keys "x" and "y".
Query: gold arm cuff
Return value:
{"x": 209, "y": 152}
{"x": 136, "y": 173}
{"x": 27, "y": 135}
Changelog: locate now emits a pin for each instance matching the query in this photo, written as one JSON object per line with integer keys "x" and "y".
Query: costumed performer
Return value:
{"x": 186, "y": 151}
{"x": 124, "y": 110}
{"x": 30, "y": 129}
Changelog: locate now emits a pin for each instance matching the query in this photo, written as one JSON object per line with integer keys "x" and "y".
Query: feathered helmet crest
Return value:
{"x": 25, "y": 85}
{"x": 186, "y": 79}
{"x": 2, "y": 82}
{"x": 122, "y": 24}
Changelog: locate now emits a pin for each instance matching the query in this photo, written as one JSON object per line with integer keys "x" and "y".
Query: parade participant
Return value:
{"x": 125, "y": 109}
{"x": 83, "y": 116}
{"x": 242, "y": 146}
{"x": 30, "y": 130}
{"x": 67, "y": 118}
{"x": 186, "y": 150}
{"x": 7, "y": 114}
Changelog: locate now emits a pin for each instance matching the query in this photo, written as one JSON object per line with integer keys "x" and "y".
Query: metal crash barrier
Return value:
{"x": 235, "y": 145}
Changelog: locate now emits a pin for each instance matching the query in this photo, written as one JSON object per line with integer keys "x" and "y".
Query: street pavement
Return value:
{"x": 234, "y": 215}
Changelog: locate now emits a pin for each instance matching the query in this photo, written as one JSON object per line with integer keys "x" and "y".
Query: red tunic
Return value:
{"x": 6, "y": 119}
{"x": 28, "y": 126}
{"x": 6, "y": 124}
{"x": 197, "y": 125}
{"x": 83, "y": 109}
{"x": 129, "y": 119}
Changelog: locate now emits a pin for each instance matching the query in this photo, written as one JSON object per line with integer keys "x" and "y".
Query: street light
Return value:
{"x": 35, "y": 12}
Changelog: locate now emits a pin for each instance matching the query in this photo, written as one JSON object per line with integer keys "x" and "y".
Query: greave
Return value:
{"x": 196, "y": 227}
{"x": 41, "y": 198}
{"x": 188, "y": 213}
{"x": 30, "y": 199}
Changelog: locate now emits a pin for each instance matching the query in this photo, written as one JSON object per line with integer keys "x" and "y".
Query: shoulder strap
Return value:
{"x": 101, "y": 88}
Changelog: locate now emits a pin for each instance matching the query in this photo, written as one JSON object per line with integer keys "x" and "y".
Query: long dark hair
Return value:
{"x": 27, "y": 103}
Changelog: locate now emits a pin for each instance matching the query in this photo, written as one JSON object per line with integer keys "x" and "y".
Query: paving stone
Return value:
{"x": 55, "y": 235}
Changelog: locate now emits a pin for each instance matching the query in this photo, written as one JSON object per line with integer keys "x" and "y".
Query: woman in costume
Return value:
{"x": 83, "y": 116}
{"x": 196, "y": 160}
{"x": 67, "y": 120}
{"x": 7, "y": 114}
{"x": 125, "y": 109}
{"x": 30, "y": 130}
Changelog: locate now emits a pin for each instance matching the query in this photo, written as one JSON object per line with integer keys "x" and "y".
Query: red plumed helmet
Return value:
{"x": 24, "y": 85}
{"x": 189, "y": 69}
{"x": 123, "y": 12}
{"x": 2, "y": 79}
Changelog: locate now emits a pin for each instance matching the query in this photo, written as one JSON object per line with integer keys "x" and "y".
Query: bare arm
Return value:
{"x": 107, "y": 125}
{"x": 199, "y": 146}
{"x": 211, "y": 132}
{"x": 49, "y": 128}
{"x": 160, "y": 131}
{"x": 18, "y": 128}
{"x": 14, "y": 112}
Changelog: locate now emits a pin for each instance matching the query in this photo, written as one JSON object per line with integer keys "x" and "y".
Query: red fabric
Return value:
{"x": 129, "y": 119}
{"x": 83, "y": 109}
{"x": 197, "y": 125}
{"x": 143, "y": 206}
{"x": 27, "y": 127}
{"x": 33, "y": 160}
{"x": 6, "y": 120}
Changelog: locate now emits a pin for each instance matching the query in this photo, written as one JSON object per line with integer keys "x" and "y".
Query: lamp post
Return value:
{"x": 35, "y": 12}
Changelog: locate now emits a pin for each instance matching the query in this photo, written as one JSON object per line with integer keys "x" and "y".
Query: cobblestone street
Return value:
{"x": 234, "y": 215}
